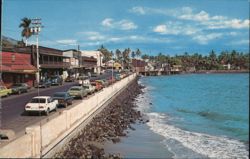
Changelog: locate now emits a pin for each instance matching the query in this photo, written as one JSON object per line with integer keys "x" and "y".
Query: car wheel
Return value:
{"x": 47, "y": 112}
{"x": 66, "y": 104}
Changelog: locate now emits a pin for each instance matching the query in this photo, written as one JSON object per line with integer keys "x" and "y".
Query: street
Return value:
{"x": 12, "y": 112}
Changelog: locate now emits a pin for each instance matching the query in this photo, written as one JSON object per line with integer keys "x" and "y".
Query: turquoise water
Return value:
{"x": 203, "y": 113}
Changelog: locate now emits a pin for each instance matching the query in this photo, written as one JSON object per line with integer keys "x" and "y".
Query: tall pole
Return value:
{"x": 112, "y": 68}
{"x": 35, "y": 29}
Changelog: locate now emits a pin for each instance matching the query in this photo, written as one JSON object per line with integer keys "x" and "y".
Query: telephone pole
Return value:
{"x": 35, "y": 29}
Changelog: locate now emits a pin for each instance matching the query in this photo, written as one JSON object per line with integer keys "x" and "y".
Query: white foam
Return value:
{"x": 204, "y": 144}
{"x": 207, "y": 145}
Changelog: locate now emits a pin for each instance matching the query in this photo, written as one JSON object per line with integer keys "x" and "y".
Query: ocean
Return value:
{"x": 193, "y": 116}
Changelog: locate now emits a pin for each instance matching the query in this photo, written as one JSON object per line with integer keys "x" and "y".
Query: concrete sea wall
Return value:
{"x": 41, "y": 138}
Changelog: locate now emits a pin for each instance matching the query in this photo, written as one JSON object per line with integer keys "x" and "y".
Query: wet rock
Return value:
{"x": 109, "y": 125}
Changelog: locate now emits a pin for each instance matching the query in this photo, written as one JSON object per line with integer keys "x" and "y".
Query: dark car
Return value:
{"x": 19, "y": 88}
{"x": 44, "y": 84}
{"x": 63, "y": 98}
{"x": 56, "y": 80}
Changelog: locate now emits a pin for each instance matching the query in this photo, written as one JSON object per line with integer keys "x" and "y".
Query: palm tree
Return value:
{"x": 133, "y": 54}
{"x": 118, "y": 54}
{"x": 25, "y": 24}
{"x": 138, "y": 53}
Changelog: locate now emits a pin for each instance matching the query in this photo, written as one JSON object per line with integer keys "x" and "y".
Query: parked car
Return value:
{"x": 5, "y": 91}
{"x": 63, "y": 98}
{"x": 78, "y": 92}
{"x": 82, "y": 82}
{"x": 41, "y": 104}
{"x": 118, "y": 77}
{"x": 89, "y": 88}
{"x": 94, "y": 74}
{"x": 98, "y": 86}
{"x": 111, "y": 80}
{"x": 70, "y": 79}
{"x": 44, "y": 84}
{"x": 103, "y": 83}
{"x": 56, "y": 80}
{"x": 19, "y": 88}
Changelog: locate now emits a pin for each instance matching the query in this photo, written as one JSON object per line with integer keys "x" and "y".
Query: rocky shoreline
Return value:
{"x": 109, "y": 125}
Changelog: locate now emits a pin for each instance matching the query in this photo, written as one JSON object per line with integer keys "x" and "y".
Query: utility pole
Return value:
{"x": 35, "y": 29}
{"x": 112, "y": 67}
{"x": 79, "y": 59}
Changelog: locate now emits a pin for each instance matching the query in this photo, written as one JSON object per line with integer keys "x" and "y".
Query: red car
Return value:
{"x": 97, "y": 85}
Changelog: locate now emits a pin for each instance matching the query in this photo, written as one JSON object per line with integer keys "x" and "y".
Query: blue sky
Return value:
{"x": 166, "y": 26}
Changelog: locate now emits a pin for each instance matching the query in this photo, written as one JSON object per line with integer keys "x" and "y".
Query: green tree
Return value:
{"x": 138, "y": 52}
{"x": 26, "y": 33}
{"x": 118, "y": 54}
{"x": 133, "y": 54}
{"x": 107, "y": 55}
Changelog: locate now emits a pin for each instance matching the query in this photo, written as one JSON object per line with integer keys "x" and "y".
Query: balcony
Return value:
{"x": 53, "y": 64}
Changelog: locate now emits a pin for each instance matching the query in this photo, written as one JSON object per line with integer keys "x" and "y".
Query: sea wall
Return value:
{"x": 39, "y": 139}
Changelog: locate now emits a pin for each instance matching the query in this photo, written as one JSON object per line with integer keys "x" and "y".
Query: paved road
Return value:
{"x": 12, "y": 112}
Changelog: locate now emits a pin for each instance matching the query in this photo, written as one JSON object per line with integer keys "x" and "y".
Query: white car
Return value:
{"x": 89, "y": 88}
{"x": 43, "y": 104}
{"x": 83, "y": 82}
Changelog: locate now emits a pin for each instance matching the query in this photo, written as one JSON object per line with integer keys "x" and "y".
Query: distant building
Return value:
{"x": 176, "y": 69}
{"x": 228, "y": 66}
{"x": 115, "y": 65}
{"x": 98, "y": 56}
{"x": 73, "y": 61}
{"x": 17, "y": 68}
{"x": 138, "y": 65}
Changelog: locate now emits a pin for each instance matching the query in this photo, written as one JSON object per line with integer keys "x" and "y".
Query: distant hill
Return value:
{"x": 10, "y": 42}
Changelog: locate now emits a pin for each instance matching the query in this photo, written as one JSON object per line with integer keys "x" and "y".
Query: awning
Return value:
{"x": 27, "y": 68}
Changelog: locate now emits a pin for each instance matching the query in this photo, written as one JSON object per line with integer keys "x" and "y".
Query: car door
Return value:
{"x": 50, "y": 104}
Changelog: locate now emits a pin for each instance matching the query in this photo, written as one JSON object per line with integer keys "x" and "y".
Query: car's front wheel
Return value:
{"x": 47, "y": 112}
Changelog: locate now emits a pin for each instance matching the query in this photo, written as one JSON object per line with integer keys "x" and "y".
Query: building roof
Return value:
{"x": 16, "y": 62}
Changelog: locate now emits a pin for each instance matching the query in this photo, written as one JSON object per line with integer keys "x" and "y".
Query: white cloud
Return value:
{"x": 123, "y": 24}
{"x": 205, "y": 38}
{"x": 67, "y": 41}
{"x": 175, "y": 28}
{"x": 93, "y": 36}
{"x": 213, "y": 22}
{"x": 162, "y": 29}
{"x": 201, "y": 17}
{"x": 138, "y": 10}
{"x": 107, "y": 22}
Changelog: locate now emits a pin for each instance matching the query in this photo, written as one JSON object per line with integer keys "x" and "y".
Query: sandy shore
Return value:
{"x": 111, "y": 124}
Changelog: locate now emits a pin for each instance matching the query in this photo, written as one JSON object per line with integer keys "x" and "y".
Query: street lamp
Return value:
{"x": 35, "y": 29}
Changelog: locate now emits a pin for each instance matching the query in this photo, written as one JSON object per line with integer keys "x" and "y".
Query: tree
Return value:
{"x": 106, "y": 54}
{"x": 138, "y": 53}
{"x": 125, "y": 55}
{"x": 25, "y": 24}
{"x": 118, "y": 54}
{"x": 133, "y": 54}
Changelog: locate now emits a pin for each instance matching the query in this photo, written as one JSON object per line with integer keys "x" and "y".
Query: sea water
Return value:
{"x": 199, "y": 115}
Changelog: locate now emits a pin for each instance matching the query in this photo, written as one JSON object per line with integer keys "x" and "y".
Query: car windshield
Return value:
{"x": 38, "y": 100}
{"x": 75, "y": 89}
{"x": 59, "y": 95}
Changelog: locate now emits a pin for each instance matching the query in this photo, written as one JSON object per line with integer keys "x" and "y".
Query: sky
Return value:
{"x": 154, "y": 26}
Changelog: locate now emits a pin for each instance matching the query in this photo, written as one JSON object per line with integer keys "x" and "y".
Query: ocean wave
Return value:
{"x": 204, "y": 144}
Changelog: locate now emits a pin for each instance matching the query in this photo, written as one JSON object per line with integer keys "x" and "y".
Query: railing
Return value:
{"x": 50, "y": 64}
